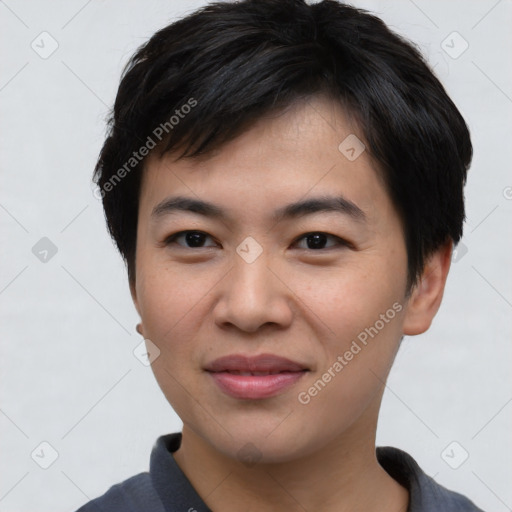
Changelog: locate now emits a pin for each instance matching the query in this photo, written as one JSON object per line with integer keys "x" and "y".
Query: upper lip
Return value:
{"x": 259, "y": 363}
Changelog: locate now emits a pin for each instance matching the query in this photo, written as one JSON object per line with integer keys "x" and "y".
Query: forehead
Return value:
{"x": 313, "y": 149}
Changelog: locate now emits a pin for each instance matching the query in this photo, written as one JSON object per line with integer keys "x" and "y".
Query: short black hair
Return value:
{"x": 204, "y": 79}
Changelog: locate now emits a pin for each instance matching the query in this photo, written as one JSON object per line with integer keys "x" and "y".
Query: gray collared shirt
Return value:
{"x": 165, "y": 488}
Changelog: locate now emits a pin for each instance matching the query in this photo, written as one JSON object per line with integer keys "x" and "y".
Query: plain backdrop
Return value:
{"x": 70, "y": 379}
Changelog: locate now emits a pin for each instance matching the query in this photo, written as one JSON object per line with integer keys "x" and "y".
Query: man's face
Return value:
{"x": 313, "y": 287}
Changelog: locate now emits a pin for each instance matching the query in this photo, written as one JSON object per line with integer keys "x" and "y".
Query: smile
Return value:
{"x": 255, "y": 377}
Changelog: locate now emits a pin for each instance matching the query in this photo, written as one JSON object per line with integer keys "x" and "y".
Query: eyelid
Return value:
{"x": 171, "y": 238}
{"x": 339, "y": 241}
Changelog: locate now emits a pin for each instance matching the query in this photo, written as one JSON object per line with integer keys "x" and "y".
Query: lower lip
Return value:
{"x": 255, "y": 387}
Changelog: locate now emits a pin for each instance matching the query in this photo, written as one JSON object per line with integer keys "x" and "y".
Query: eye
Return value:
{"x": 318, "y": 241}
{"x": 194, "y": 239}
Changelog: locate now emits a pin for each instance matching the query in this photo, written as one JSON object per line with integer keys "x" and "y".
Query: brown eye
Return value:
{"x": 192, "y": 239}
{"x": 318, "y": 241}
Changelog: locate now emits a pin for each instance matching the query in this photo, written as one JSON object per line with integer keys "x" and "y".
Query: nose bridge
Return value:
{"x": 252, "y": 296}
{"x": 251, "y": 277}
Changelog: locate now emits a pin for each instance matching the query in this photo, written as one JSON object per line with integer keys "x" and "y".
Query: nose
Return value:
{"x": 252, "y": 296}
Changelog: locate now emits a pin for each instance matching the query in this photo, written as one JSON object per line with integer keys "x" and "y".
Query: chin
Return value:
{"x": 252, "y": 444}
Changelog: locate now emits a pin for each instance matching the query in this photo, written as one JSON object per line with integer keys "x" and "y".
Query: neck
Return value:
{"x": 342, "y": 476}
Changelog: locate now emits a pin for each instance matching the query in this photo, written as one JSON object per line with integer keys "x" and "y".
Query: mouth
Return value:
{"x": 256, "y": 377}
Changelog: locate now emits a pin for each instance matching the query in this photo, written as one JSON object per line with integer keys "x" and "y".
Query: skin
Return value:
{"x": 306, "y": 304}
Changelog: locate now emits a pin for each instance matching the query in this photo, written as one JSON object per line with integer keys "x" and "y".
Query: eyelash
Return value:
{"x": 340, "y": 241}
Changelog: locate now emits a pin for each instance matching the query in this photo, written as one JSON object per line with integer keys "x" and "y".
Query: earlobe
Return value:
{"x": 427, "y": 294}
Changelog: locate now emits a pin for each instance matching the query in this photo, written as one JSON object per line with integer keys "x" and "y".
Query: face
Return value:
{"x": 308, "y": 299}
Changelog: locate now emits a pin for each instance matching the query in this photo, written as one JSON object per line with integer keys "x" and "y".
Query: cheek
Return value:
{"x": 351, "y": 298}
{"x": 160, "y": 293}
{"x": 169, "y": 300}
{"x": 365, "y": 323}
{"x": 173, "y": 310}
{"x": 362, "y": 305}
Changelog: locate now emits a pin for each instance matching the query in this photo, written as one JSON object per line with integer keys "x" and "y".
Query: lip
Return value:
{"x": 255, "y": 377}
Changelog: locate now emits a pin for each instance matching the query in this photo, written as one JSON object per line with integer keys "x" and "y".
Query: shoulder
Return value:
{"x": 426, "y": 495}
{"x": 131, "y": 495}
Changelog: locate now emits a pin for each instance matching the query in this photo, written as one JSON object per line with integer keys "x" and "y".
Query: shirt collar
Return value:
{"x": 177, "y": 493}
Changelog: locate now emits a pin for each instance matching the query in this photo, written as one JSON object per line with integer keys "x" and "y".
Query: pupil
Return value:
{"x": 317, "y": 241}
{"x": 194, "y": 239}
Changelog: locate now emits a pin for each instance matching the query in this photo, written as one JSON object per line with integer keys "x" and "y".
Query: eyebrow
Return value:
{"x": 310, "y": 206}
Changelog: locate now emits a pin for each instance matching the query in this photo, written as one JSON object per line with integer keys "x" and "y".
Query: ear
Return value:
{"x": 427, "y": 293}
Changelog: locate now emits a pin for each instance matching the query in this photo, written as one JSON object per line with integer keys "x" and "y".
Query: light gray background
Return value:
{"x": 69, "y": 376}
